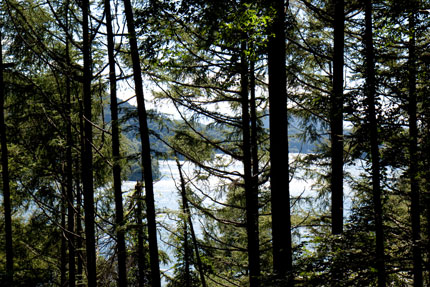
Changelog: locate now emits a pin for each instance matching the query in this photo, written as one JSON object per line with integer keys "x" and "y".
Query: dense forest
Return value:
{"x": 297, "y": 135}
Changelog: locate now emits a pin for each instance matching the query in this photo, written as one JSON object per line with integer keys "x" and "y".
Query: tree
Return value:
{"x": 336, "y": 118}
{"x": 374, "y": 143}
{"x": 119, "y": 214}
{"x": 146, "y": 153}
{"x": 279, "y": 166}
{"x": 413, "y": 150}
{"x": 5, "y": 175}
{"x": 87, "y": 155}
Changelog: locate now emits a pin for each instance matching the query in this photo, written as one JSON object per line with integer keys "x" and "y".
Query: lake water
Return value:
{"x": 167, "y": 195}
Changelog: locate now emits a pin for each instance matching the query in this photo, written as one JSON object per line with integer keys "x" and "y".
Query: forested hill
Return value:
{"x": 163, "y": 126}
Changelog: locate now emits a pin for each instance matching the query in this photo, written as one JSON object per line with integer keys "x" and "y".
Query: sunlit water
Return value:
{"x": 167, "y": 196}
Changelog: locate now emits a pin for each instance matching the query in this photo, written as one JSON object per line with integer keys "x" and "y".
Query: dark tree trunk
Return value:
{"x": 190, "y": 223}
{"x": 5, "y": 179}
{"x": 413, "y": 150}
{"x": 79, "y": 233}
{"x": 146, "y": 154}
{"x": 119, "y": 214}
{"x": 140, "y": 251}
{"x": 87, "y": 156}
{"x": 336, "y": 120}
{"x": 374, "y": 144}
{"x": 187, "y": 255}
{"x": 279, "y": 170}
{"x": 69, "y": 167}
{"x": 251, "y": 197}
{"x": 63, "y": 248}
{"x": 254, "y": 132}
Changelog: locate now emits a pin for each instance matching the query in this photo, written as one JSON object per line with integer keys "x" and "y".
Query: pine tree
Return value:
{"x": 5, "y": 176}
{"x": 279, "y": 165}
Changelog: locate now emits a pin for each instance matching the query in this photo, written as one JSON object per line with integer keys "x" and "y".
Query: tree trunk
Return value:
{"x": 69, "y": 166}
{"x": 146, "y": 154}
{"x": 63, "y": 248}
{"x": 336, "y": 120}
{"x": 140, "y": 251}
{"x": 413, "y": 150}
{"x": 87, "y": 156}
{"x": 374, "y": 144}
{"x": 187, "y": 256}
{"x": 250, "y": 196}
{"x": 190, "y": 223}
{"x": 254, "y": 133}
{"x": 79, "y": 239}
{"x": 279, "y": 170}
{"x": 5, "y": 178}
{"x": 119, "y": 214}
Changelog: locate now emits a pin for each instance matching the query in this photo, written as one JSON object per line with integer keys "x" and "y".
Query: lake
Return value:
{"x": 167, "y": 195}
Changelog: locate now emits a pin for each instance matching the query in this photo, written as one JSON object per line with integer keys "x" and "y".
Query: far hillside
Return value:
{"x": 162, "y": 127}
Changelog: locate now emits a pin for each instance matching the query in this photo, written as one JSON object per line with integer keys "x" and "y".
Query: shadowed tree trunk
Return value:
{"x": 146, "y": 154}
{"x": 87, "y": 156}
{"x": 336, "y": 120}
{"x": 119, "y": 214}
{"x": 5, "y": 178}
{"x": 190, "y": 223}
{"x": 413, "y": 150}
{"x": 374, "y": 143}
{"x": 63, "y": 248}
{"x": 279, "y": 165}
{"x": 254, "y": 134}
{"x": 250, "y": 196}
{"x": 79, "y": 233}
{"x": 187, "y": 255}
{"x": 140, "y": 251}
{"x": 69, "y": 166}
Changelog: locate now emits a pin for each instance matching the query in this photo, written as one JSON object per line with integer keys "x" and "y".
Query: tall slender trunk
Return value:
{"x": 413, "y": 153}
{"x": 279, "y": 170}
{"x": 187, "y": 255}
{"x": 254, "y": 133}
{"x": 87, "y": 156}
{"x": 5, "y": 178}
{"x": 251, "y": 197}
{"x": 140, "y": 251}
{"x": 69, "y": 166}
{"x": 119, "y": 214}
{"x": 190, "y": 223}
{"x": 336, "y": 120}
{"x": 79, "y": 233}
{"x": 63, "y": 248}
{"x": 146, "y": 153}
{"x": 374, "y": 144}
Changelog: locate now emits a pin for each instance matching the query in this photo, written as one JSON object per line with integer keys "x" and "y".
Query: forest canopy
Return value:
{"x": 214, "y": 143}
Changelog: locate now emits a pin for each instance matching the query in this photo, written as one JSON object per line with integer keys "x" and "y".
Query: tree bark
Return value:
{"x": 69, "y": 166}
{"x": 254, "y": 132}
{"x": 413, "y": 153}
{"x": 374, "y": 144}
{"x": 5, "y": 178}
{"x": 146, "y": 154}
{"x": 63, "y": 248}
{"x": 187, "y": 255}
{"x": 87, "y": 156}
{"x": 279, "y": 170}
{"x": 251, "y": 198}
{"x": 119, "y": 213}
{"x": 140, "y": 251}
{"x": 79, "y": 239}
{"x": 336, "y": 119}
{"x": 190, "y": 223}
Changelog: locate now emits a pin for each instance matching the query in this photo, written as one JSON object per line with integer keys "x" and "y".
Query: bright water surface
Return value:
{"x": 167, "y": 196}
